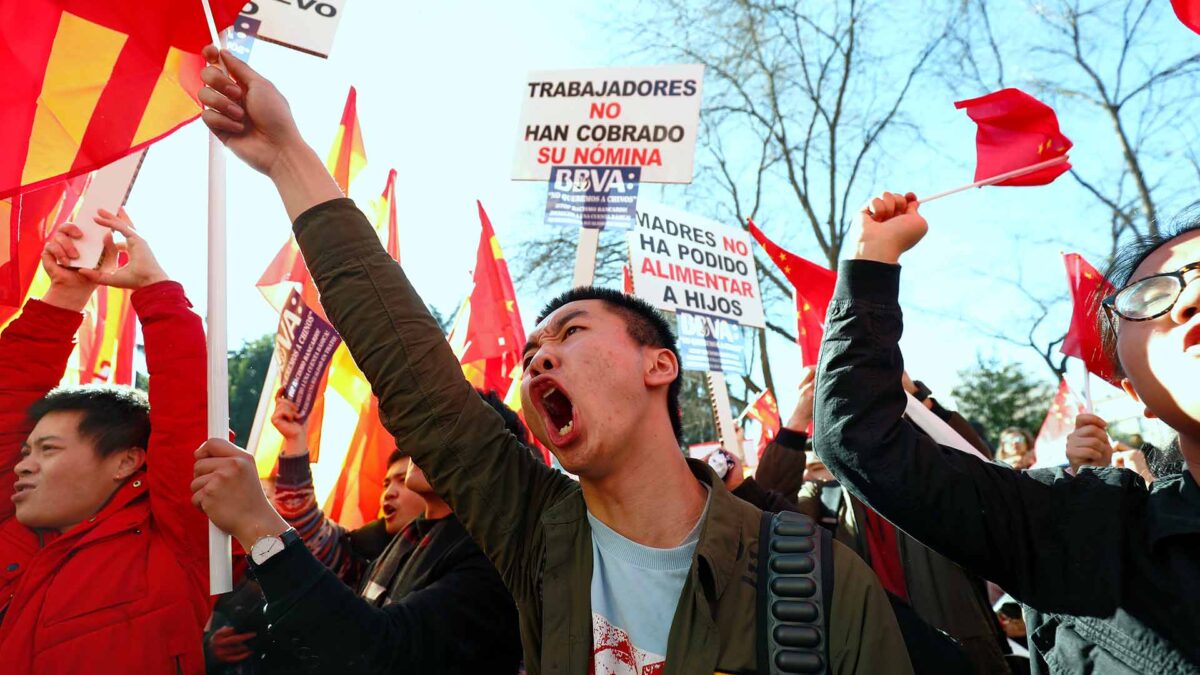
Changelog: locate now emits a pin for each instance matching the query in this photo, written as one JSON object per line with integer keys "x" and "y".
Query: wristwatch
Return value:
{"x": 268, "y": 546}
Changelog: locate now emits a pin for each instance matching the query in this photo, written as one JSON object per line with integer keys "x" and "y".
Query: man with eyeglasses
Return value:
{"x": 1108, "y": 568}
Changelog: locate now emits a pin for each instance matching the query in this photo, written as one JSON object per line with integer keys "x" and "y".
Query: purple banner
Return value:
{"x": 304, "y": 345}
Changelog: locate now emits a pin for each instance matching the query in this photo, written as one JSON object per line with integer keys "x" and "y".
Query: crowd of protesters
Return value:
{"x": 865, "y": 547}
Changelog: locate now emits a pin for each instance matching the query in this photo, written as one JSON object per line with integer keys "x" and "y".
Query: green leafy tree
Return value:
{"x": 247, "y": 369}
{"x": 999, "y": 395}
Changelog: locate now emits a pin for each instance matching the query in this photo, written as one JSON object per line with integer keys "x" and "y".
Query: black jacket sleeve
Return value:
{"x": 1053, "y": 541}
{"x": 781, "y": 468}
{"x": 316, "y": 617}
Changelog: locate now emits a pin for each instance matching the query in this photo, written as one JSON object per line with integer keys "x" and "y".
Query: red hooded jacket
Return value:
{"x": 126, "y": 591}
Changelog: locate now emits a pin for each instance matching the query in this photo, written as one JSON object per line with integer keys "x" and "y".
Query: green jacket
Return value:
{"x": 529, "y": 519}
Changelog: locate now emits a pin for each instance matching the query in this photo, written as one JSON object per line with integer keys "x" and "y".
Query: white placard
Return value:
{"x": 107, "y": 190}
{"x": 643, "y": 116}
{"x": 684, "y": 261}
{"x": 303, "y": 25}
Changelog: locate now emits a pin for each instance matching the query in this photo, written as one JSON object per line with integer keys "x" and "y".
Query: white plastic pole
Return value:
{"x": 220, "y": 557}
{"x": 999, "y": 178}
{"x": 585, "y": 256}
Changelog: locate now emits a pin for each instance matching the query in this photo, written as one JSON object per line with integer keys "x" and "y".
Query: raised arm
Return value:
{"x": 176, "y": 360}
{"x": 493, "y": 484}
{"x": 1006, "y": 526}
{"x": 34, "y": 349}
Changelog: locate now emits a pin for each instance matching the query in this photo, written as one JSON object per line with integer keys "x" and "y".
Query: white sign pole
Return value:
{"x": 718, "y": 392}
{"x": 585, "y": 257}
{"x": 220, "y": 556}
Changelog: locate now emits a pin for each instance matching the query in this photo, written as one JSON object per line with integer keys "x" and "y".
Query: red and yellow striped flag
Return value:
{"x": 354, "y": 500}
{"x": 106, "y": 338}
{"x": 88, "y": 82}
{"x": 30, "y": 217}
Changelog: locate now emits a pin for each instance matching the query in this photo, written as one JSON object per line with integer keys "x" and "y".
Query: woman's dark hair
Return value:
{"x": 1125, "y": 263}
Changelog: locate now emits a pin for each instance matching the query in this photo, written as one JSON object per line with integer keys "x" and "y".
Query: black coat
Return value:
{"x": 1108, "y": 567}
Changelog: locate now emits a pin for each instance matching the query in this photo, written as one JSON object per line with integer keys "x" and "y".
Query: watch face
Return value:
{"x": 264, "y": 548}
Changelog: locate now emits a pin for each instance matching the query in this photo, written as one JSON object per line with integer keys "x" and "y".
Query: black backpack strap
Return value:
{"x": 795, "y": 590}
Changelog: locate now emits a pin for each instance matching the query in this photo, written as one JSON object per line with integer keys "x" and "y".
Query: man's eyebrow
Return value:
{"x": 43, "y": 439}
{"x": 555, "y": 326}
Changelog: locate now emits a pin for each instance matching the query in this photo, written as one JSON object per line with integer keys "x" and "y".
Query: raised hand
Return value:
{"x": 891, "y": 225}
{"x": 140, "y": 271}
{"x": 227, "y": 489}
{"x": 286, "y": 419}
{"x": 69, "y": 287}
{"x": 803, "y": 413}
{"x": 1088, "y": 445}
{"x": 246, "y": 112}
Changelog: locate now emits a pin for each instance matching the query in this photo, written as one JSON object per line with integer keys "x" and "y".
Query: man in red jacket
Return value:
{"x": 103, "y": 560}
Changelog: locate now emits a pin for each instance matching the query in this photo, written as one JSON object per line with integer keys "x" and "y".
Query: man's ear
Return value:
{"x": 1128, "y": 387}
{"x": 129, "y": 461}
{"x": 662, "y": 368}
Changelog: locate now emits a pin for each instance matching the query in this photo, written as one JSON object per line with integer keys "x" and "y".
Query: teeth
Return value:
{"x": 549, "y": 392}
{"x": 567, "y": 428}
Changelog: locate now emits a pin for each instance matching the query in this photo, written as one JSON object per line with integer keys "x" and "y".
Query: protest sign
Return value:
{"x": 611, "y": 117}
{"x": 240, "y": 36}
{"x": 683, "y": 261}
{"x": 304, "y": 345}
{"x": 593, "y": 197}
{"x": 304, "y": 25}
{"x": 708, "y": 343}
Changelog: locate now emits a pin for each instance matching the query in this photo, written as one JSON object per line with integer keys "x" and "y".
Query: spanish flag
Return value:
{"x": 106, "y": 338}
{"x": 88, "y": 82}
{"x": 30, "y": 217}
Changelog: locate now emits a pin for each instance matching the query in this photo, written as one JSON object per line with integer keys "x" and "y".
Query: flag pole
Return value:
{"x": 220, "y": 557}
{"x": 1087, "y": 390}
{"x": 999, "y": 178}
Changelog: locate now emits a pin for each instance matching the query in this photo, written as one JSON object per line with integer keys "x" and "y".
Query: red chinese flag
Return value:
{"x": 88, "y": 82}
{"x": 1015, "y": 131}
{"x": 494, "y": 334}
{"x": 1088, "y": 288}
{"x": 765, "y": 411}
{"x": 1051, "y": 442}
{"x": 814, "y": 288}
{"x": 1188, "y": 12}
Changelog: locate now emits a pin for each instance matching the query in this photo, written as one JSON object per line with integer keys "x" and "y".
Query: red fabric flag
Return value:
{"x": 1051, "y": 443}
{"x": 30, "y": 218}
{"x": 1188, "y": 12}
{"x": 627, "y": 279}
{"x": 106, "y": 337}
{"x": 765, "y": 411}
{"x": 494, "y": 333}
{"x": 1015, "y": 131}
{"x": 814, "y": 288}
{"x": 88, "y": 82}
{"x": 347, "y": 157}
{"x": 1088, "y": 288}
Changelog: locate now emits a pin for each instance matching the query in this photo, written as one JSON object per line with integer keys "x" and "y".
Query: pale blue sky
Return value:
{"x": 439, "y": 88}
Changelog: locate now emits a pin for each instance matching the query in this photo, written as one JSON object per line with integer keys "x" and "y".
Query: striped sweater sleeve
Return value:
{"x": 296, "y": 501}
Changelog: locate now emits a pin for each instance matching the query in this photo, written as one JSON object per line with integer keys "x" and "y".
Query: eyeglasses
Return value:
{"x": 1151, "y": 297}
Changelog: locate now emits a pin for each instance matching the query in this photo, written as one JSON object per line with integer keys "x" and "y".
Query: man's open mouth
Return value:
{"x": 1191, "y": 338}
{"x": 388, "y": 511}
{"x": 558, "y": 413}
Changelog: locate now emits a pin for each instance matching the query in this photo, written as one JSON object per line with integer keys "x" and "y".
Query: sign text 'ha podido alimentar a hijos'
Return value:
{"x": 643, "y": 117}
{"x": 681, "y": 261}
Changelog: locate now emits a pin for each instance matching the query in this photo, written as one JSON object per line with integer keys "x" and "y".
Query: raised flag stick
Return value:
{"x": 1087, "y": 391}
{"x": 220, "y": 557}
{"x": 999, "y": 178}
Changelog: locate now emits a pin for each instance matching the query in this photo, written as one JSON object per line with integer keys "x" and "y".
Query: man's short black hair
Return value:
{"x": 114, "y": 418}
{"x": 396, "y": 456}
{"x": 1120, "y": 274}
{"x": 645, "y": 325}
{"x": 512, "y": 421}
